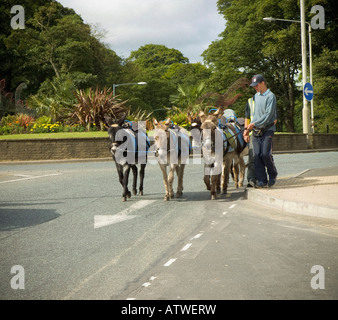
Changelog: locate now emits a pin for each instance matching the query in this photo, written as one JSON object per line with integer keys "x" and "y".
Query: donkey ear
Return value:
{"x": 121, "y": 120}
{"x": 218, "y": 112}
{"x": 202, "y": 116}
{"x": 155, "y": 123}
{"x": 168, "y": 121}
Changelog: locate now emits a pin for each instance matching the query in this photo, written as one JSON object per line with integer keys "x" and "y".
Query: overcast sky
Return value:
{"x": 186, "y": 25}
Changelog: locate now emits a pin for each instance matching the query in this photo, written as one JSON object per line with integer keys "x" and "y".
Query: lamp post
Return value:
{"x": 304, "y": 67}
{"x": 127, "y": 84}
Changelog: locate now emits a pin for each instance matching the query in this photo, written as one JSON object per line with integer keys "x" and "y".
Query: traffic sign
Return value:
{"x": 308, "y": 91}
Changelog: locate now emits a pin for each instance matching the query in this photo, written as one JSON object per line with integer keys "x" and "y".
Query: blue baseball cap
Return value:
{"x": 256, "y": 79}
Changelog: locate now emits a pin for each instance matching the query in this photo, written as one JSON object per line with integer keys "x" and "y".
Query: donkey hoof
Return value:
{"x": 166, "y": 198}
{"x": 134, "y": 192}
{"x": 179, "y": 194}
{"x": 141, "y": 193}
{"x": 124, "y": 199}
{"x": 213, "y": 197}
{"x": 240, "y": 184}
{"x": 128, "y": 194}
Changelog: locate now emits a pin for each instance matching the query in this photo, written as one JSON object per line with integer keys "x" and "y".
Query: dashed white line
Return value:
{"x": 197, "y": 236}
{"x": 168, "y": 263}
{"x": 233, "y": 206}
{"x": 186, "y": 247}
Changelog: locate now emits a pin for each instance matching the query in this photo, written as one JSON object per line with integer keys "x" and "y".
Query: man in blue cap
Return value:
{"x": 263, "y": 126}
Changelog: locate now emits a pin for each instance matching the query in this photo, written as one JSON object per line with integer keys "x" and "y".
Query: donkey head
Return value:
{"x": 210, "y": 131}
{"x": 162, "y": 137}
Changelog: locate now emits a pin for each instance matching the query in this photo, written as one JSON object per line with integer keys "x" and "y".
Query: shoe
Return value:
{"x": 251, "y": 184}
{"x": 260, "y": 185}
{"x": 271, "y": 182}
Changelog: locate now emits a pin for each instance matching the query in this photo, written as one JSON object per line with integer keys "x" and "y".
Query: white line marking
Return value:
{"x": 105, "y": 220}
{"x": 33, "y": 177}
{"x": 233, "y": 206}
{"x": 197, "y": 236}
{"x": 224, "y": 213}
{"x": 168, "y": 263}
{"x": 146, "y": 284}
{"x": 186, "y": 247}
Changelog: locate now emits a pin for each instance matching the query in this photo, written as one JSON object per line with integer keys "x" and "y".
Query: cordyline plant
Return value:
{"x": 93, "y": 106}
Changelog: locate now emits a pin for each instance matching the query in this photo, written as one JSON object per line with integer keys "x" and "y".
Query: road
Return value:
{"x": 65, "y": 226}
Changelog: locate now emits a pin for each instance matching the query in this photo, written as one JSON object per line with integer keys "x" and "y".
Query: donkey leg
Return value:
{"x": 126, "y": 193}
{"x": 171, "y": 180}
{"x": 180, "y": 174}
{"x": 225, "y": 173}
{"x": 242, "y": 167}
{"x": 206, "y": 177}
{"x": 235, "y": 172}
{"x": 134, "y": 188}
{"x": 165, "y": 181}
{"x": 214, "y": 182}
{"x": 119, "y": 169}
{"x": 143, "y": 166}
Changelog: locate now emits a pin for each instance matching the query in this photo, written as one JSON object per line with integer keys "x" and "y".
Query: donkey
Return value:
{"x": 214, "y": 149}
{"x": 172, "y": 149}
{"x": 128, "y": 148}
{"x": 233, "y": 128}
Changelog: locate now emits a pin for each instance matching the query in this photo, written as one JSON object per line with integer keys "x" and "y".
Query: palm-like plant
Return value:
{"x": 188, "y": 97}
{"x": 93, "y": 106}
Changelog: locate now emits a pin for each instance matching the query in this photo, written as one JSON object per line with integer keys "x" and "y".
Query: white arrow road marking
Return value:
{"x": 105, "y": 220}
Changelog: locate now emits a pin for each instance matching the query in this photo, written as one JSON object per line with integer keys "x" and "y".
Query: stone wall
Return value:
{"x": 96, "y": 148}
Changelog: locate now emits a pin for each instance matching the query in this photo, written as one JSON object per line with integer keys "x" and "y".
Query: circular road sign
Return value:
{"x": 308, "y": 91}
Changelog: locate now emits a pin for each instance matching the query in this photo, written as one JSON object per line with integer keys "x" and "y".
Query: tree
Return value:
{"x": 56, "y": 42}
{"x": 249, "y": 46}
{"x": 157, "y": 57}
{"x": 325, "y": 72}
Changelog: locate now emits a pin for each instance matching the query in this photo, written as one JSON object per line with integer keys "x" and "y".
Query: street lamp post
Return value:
{"x": 127, "y": 84}
{"x": 304, "y": 71}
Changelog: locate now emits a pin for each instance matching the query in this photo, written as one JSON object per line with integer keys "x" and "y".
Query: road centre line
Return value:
{"x": 32, "y": 177}
{"x": 169, "y": 262}
{"x": 197, "y": 236}
{"x": 186, "y": 247}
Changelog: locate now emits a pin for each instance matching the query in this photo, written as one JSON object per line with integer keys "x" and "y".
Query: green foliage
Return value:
{"x": 157, "y": 57}
{"x": 56, "y": 99}
{"x": 93, "y": 106}
{"x": 188, "y": 98}
{"x": 57, "y": 54}
{"x": 325, "y": 87}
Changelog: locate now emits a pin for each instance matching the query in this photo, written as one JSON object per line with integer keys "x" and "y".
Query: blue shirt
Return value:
{"x": 265, "y": 112}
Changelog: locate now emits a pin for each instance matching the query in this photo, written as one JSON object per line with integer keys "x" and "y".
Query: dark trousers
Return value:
{"x": 264, "y": 163}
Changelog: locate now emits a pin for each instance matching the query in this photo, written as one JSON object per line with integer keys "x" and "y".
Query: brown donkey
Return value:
{"x": 213, "y": 150}
{"x": 172, "y": 149}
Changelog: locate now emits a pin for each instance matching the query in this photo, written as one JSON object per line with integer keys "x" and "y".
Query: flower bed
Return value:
{"x": 23, "y": 124}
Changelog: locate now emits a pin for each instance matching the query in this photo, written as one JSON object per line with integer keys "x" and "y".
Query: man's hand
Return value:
{"x": 246, "y": 136}
{"x": 250, "y": 126}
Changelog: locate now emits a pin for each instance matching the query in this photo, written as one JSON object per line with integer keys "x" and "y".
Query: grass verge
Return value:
{"x": 55, "y": 135}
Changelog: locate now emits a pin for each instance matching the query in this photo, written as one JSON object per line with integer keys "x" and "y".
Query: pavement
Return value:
{"x": 313, "y": 192}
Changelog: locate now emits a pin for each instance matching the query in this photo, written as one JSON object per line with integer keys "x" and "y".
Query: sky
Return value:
{"x": 189, "y": 26}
